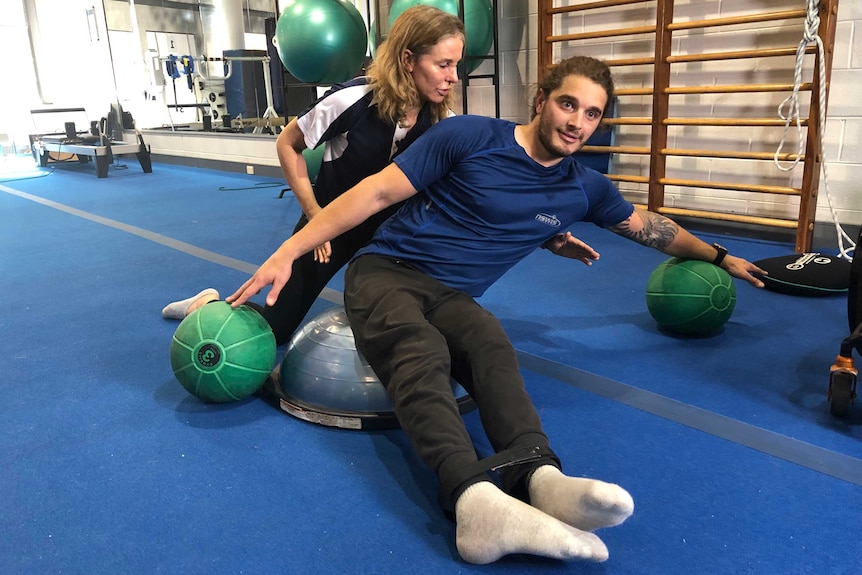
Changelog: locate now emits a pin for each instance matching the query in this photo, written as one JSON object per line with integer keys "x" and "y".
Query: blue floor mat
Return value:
{"x": 111, "y": 467}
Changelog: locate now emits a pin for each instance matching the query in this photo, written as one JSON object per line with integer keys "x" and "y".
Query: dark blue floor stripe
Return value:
{"x": 792, "y": 450}
{"x": 786, "y": 448}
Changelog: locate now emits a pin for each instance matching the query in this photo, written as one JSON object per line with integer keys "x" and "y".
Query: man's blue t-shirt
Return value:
{"x": 484, "y": 204}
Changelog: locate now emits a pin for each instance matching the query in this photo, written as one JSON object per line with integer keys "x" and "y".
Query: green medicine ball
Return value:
{"x": 690, "y": 297}
{"x": 221, "y": 354}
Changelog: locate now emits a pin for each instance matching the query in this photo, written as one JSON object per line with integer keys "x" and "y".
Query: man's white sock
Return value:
{"x": 491, "y": 524}
{"x": 587, "y": 504}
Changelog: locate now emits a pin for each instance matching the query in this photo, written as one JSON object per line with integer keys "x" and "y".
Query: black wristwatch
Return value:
{"x": 719, "y": 257}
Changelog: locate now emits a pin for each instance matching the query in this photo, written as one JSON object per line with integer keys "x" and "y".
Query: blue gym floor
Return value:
{"x": 109, "y": 466}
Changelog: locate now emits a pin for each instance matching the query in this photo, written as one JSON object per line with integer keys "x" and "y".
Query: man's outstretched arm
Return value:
{"x": 353, "y": 207}
{"x": 656, "y": 231}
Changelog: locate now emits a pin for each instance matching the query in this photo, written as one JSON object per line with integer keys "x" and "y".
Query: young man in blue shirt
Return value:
{"x": 481, "y": 194}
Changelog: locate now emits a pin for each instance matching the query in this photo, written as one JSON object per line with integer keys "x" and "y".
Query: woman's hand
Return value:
{"x": 323, "y": 252}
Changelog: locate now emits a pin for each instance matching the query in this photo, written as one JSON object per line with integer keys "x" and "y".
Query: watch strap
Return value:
{"x": 719, "y": 257}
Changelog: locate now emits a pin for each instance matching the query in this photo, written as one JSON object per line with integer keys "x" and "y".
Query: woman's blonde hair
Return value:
{"x": 417, "y": 29}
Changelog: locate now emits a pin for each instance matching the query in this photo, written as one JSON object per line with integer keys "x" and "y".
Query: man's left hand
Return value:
{"x": 569, "y": 246}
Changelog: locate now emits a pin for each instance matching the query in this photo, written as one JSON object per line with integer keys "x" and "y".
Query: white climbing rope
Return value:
{"x": 788, "y": 111}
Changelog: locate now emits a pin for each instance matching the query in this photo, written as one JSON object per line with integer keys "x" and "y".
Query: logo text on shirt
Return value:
{"x": 550, "y": 220}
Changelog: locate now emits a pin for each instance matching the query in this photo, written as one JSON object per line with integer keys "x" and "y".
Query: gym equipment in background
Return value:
{"x": 321, "y": 41}
{"x": 478, "y": 23}
{"x": 809, "y": 274}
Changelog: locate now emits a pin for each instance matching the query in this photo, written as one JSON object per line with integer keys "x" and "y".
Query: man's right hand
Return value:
{"x": 274, "y": 272}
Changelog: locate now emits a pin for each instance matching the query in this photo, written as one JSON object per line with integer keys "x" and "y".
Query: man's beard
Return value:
{"x": 546, "y": 133}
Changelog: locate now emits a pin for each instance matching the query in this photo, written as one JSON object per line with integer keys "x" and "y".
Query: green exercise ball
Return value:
{"x": 478, "y": 23}
{"x": 313, "y": 158}
{"x": 321, "y": 41}
{"x": 221, "y": 354}
{"x": 690, "y": 297}
{"x": 372, "y": 39}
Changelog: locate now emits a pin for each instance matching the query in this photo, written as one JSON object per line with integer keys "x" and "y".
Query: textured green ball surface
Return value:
{"x": 321, "y": 41}
{"x": 220, "y": 354}
{"x": 690, "y": 297}
{"x": 478, "y": 22}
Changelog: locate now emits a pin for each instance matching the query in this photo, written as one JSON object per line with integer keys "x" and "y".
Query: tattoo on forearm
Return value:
{"x": 657, "y": 232}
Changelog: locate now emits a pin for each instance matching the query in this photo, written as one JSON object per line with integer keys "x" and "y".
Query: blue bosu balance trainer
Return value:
{"x": 325, "y": 380}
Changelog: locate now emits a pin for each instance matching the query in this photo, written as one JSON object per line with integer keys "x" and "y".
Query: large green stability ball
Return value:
{"x": 321, "y": 41}
{"x": 690, "y": 297}
{"x": 478, "y": 23}
{"x": 222, "y": 354}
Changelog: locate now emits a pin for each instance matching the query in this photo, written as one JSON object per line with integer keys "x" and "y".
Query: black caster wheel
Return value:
{"x": 841, "y": 394}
